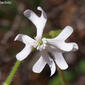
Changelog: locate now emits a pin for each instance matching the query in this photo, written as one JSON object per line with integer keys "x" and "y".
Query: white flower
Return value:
{"x": 56, "y": 46}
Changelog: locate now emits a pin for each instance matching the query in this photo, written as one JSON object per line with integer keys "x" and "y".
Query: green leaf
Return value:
{"x": 54, "y": 33}
{"x": 47, "y": 36}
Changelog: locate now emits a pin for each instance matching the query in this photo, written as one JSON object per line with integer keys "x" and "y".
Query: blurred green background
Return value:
{"x": 60, "y": 13}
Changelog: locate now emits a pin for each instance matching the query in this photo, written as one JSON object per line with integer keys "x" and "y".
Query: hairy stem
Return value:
{"x": 12, "y": 73}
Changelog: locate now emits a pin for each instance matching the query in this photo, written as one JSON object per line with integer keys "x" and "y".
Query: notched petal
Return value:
{"x": 43, "y": 14}
{"x": 39, "y": 22}
{"x": 39, "y": 65}
{"x": 25, "y": 39}
{"x": 75, "y": 46}
{"x": 67, "y": 47}
{"x": 18, "y": 37}
{"x": 50, "y": 62}
{"x": 27, "y": 13}
{"x": 24, "y": 53}
{"x": 52, "y": 66}
{"x": 60, "y": 61}
{"x": 67, "y": 31}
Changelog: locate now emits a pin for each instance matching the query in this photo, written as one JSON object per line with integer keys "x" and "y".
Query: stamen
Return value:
{"x": 41, "y": 44}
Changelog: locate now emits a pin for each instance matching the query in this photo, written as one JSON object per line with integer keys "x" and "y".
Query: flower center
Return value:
{"x": 41, "y": 44}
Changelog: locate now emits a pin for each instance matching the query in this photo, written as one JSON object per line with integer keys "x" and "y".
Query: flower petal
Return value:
{"x": 39, "y": 65}
{"x": 60, "y": 61}
{"x": 39, "y": 22}
{"x": 25, "y": 39}
{"x": 29, "y": 43}
{"x": 51, "y": 65}
{"x": 24, "y": 53}
{"x": 62, "y": 46}
{"x": 43, "y": 60}
{"x": 65, "y": 33}
{"x": 68, "y": 46}
{"x": 50, "y": 62}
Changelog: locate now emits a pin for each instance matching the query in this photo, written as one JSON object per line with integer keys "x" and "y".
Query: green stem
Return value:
{"x": 62, "y": 76}
{"x": 12, "y": 73}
